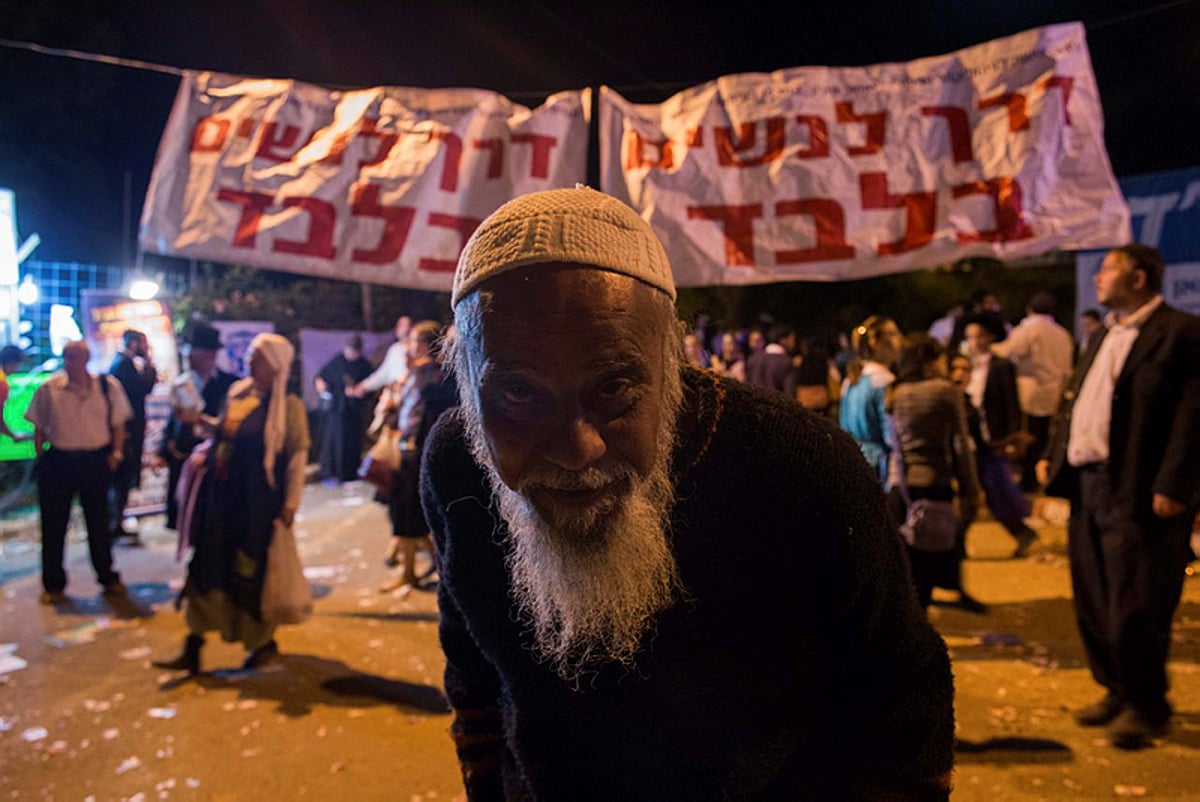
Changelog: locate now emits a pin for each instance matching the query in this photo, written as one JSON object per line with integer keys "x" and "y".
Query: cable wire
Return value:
{"x": 648, "y": 83}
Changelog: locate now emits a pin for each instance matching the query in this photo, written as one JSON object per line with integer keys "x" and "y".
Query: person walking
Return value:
{"x": 82, "y": 419}
{"x": 995, "y": 412}
{"x": 254, "y": 476}
{"x": 934, "y": 461}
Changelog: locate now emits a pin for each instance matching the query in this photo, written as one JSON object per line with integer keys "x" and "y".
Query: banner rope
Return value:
{"x": 96, "y": 57}
{"x": 649, "y": 84}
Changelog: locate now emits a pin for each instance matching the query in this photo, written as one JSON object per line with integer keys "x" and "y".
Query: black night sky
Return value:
{"x": 72, "y": 131}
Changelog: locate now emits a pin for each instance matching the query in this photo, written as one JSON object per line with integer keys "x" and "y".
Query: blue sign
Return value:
{"x": 1165, "y": 208}
{"x": 1166, "y": 212}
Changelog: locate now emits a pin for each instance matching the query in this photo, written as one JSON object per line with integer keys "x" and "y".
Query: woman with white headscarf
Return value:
{"x": 255, "y": 475}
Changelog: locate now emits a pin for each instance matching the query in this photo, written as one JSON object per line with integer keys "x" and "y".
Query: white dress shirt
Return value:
{"x": 1092, "y": 413}
{"x": 1042, "y": 352}
{"x": 78, "y": 418}
{"x": 393, "y": 368}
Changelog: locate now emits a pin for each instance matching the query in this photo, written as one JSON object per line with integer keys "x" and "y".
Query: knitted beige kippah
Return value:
{"x": 579, "y": 226}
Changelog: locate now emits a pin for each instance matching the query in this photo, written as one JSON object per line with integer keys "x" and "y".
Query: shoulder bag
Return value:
{"x": 929, "y": 524}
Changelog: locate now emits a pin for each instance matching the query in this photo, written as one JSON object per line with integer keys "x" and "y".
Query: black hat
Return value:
{"x": 206, "y": 338}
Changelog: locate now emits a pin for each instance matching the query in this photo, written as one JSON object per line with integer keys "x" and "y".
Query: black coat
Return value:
{"x": 1155, "y": 423}
{"x": 137, "y": 385}
{"x": 772, "y": 372}
{"x": 1001, "y": 407}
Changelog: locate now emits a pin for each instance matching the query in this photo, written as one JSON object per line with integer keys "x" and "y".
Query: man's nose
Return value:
{"x": 576, "y": 445}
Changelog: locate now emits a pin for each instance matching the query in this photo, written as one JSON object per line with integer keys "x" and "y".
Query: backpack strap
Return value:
{"x": 103, "y": 377}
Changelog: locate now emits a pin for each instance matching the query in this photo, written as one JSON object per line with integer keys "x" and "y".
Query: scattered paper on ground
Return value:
{"x": 9, "y": 661}
{"x": 84, "y": 633}
{"x": 34, "y": 734}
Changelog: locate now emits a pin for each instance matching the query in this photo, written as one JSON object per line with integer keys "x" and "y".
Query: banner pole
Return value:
{"x": 367, "y": 312}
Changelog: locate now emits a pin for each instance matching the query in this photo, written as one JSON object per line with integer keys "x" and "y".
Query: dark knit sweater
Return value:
{"x": 801, "y": 667}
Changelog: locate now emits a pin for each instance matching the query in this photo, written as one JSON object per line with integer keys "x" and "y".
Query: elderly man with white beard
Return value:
{"x": 657, "y": 583}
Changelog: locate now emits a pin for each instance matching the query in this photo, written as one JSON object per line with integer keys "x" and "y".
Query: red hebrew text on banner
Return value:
{"x": 840, "y": 173}
{"x": 382, "y": 185}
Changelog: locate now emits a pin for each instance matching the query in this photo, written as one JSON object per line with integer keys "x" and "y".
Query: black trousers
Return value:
{"x": 1127, "y": 578}
{"x": 61, "y": 475}
{"x": 341, "y": 444}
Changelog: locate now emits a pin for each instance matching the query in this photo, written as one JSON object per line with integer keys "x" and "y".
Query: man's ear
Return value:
{"x": 1139, "y": 279}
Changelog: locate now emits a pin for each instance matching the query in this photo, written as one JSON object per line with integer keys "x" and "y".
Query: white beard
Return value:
{"x": 591, "y": 585}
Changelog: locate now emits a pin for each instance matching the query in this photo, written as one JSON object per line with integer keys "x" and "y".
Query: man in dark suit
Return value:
{"x": 992, "y": 391}
{"x": 1123, "y": 450}
{"x": 1090, "y": 322}
{"x": 198, "y": 392}
{"x": 996, "y": 377}
{"x": 134, "y": 370}
{"x": 772, "y": 367}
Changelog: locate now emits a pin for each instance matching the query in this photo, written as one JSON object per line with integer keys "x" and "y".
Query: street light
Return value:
{"x": 143, "y": 289}
{"x": 28, "y": 293}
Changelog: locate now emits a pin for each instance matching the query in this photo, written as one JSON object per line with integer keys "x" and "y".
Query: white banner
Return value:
{"x": 382, "y": 185}
{"x": 821, "y": 173}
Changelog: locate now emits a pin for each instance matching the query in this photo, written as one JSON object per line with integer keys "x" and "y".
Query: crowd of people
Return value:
{"x": 600, "y": 501}
{"x": 90, "y": 435}
{"x": 959, "y": 413}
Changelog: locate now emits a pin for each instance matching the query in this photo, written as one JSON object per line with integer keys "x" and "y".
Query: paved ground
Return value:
{"x": 354, "y": 709}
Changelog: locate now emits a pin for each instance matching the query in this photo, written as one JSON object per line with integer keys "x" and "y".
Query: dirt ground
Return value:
{"x": 354, "y": 708}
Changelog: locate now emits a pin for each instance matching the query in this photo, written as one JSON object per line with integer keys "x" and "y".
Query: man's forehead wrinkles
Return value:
{"x": 573, "y": 317}
{"x": 530, "y": 333}
{"x": 536, "y": 363}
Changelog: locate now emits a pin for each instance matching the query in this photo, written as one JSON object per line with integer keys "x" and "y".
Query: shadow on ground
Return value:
{"x": 411, "y": 615}
{"x": 1041, "y": 631}
{"x": 1011, "y": 750}
{"x": 1185, "y": 730}
{"x": 138, "y": 602}
{"x": 300, "y": 681}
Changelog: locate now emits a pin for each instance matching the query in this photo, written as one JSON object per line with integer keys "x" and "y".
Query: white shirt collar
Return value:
{"x": 1138, "y": 318}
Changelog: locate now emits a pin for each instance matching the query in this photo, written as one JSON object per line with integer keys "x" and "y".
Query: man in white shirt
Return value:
{"x": 394, "y": 366}
{"x": 1123, "y": 450}
{"x": 1042, "y": 352}
{"x": 82, "y": 417}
